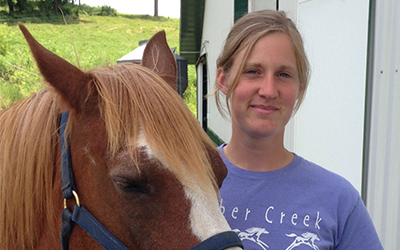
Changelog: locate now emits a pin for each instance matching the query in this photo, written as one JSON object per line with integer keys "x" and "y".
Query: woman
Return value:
{"x": 274, "y": 198}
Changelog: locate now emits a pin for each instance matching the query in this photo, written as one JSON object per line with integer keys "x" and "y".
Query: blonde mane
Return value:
{"x": 154, "y": 107}
{"x": 27, "y": 153}
{"x": 29, "y": 141}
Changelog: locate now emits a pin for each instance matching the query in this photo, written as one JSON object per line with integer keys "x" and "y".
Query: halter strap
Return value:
{"x": 220, "y": 241}
{"x": 80, "y": 215}
{"x": 67, "y": 174}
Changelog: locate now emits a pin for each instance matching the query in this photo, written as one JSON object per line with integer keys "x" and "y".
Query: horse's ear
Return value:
{"x": 67, "y": 79}
{"x": 158, "y": 57}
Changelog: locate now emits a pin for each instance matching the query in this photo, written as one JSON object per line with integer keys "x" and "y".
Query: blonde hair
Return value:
{"x": 243, "y": 36}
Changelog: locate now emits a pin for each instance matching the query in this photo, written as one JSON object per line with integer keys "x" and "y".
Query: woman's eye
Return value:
{"x": 251, "y": 72}
{"x": 284, "y": 75}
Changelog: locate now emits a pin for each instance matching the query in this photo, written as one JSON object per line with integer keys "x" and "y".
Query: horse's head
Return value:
{"x": 142, "y": 164}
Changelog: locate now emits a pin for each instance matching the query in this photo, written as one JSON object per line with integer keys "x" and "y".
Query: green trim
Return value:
{"x": 214, "y": 137}
{"x": 191, "y": 28}
{"x": 241, "y": 8}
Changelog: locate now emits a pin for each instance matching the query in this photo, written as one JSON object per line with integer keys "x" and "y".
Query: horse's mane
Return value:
{"x": 154, "y": 107}
{"x": 28, "y": 142}
{"x": 27, "y": 148}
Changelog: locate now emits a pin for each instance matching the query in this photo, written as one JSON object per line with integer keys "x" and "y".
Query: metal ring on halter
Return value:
{"x": 76, "y": 199}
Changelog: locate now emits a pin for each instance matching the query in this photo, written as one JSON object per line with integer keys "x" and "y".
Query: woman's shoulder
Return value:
{"x": 323, "y": 177}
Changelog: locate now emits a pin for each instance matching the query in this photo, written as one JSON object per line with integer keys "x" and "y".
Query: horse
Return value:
{"x": 144, "y": 174}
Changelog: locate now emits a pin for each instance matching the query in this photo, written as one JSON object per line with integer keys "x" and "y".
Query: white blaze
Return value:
{"x": 206, "y": 217}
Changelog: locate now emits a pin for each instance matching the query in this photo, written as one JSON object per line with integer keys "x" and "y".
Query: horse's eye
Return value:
{"x": 131, "y": 186}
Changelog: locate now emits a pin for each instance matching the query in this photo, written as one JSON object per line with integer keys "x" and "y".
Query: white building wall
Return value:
{"x": 218, "y": 19}
{"x": 383, "y": 199}
{"x": 329, "y": 127}
{"x": 261, "y": 5}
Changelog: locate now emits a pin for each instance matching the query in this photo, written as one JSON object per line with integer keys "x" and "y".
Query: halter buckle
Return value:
{"x": 76, "y": 197}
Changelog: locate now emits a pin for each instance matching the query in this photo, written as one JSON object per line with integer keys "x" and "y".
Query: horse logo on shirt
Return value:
{"x": 253, "y": 234}
{"x": 305, "y": 239}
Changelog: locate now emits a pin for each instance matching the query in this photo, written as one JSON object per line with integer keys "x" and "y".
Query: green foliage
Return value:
{"x": 4, "y": 38}
{"x": 87, "y": 42}
{"x": 50, "y": 10}
{"x": 96, "y": 11}
{"x": 15, "y": 81}
{"x": 190, "y": 95}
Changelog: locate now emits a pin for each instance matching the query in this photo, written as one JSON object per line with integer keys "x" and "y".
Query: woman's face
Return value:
{"x": 263, "y": 100}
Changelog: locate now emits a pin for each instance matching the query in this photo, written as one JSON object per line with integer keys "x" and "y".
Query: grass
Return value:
{"x": 87, "y": 42}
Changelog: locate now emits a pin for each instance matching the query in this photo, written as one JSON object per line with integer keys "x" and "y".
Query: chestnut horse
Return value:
{"x": 143, "y": 169}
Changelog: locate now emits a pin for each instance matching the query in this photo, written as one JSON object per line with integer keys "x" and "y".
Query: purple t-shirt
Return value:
{"x": 301, "y": 206}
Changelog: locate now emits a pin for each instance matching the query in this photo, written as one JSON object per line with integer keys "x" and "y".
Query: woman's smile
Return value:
{"x": 264, "y": 109}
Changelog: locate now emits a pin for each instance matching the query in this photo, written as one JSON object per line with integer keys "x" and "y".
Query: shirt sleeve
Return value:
{"x": 359, "y": 231}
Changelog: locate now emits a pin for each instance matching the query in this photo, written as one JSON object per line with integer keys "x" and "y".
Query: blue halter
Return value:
{"x": 80, "y": 215}
{"x": 93, "y": 227}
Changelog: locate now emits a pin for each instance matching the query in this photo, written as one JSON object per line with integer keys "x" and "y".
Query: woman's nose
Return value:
{"x": 268, "y": 87}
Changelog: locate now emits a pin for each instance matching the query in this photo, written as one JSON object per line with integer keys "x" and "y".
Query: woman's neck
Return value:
{"x": 265, "y": 154}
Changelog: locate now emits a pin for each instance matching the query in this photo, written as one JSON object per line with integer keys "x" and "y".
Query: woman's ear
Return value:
{"x": 222, "y": 81}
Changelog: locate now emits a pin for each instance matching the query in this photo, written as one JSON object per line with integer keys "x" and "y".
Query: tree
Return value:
{"x": 21, "y": 5}
{"x": 156, "y": 8}
{"x": 10, "y": 4}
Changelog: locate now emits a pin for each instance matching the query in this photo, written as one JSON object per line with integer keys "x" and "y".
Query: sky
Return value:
{"x": 167, "y": 8}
